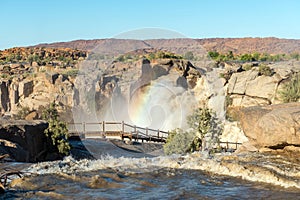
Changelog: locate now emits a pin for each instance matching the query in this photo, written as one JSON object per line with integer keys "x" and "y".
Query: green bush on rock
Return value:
{"x": 265, "y": 70}
{"x": 57, "y": 129}
{"x": 179, "y": 142}
{"x": 291, "y": 91}
{"x": 201, "y": 122}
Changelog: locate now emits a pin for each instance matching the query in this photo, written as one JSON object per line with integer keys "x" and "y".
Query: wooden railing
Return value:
{"x": 122, "y": 129}
{"x": 230, "y": 145}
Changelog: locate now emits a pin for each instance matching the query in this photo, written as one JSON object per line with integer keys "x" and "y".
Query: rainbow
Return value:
{"x": 155, "y": 106}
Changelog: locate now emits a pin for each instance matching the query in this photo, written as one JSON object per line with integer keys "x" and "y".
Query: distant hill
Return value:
{"x": 268, "y": 45}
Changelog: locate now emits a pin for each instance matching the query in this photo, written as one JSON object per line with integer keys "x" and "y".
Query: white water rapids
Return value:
{"x": 251, "y": 167}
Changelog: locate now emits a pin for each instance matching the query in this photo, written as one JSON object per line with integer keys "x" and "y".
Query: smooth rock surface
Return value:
{"x": 274, "y": 126}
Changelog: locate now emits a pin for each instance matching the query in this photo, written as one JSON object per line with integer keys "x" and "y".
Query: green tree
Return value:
{"x": 230, "y": 55}
{"x": 255, "y": 56}
{"x": 57, "y": 129}
{"x": 264, "y": 57}
{"x": 200, "y": 121}
{"x": 213, "y": 55}
{"x": 246, "y": 57}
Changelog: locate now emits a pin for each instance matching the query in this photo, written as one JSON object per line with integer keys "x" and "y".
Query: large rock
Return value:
{"x": 272, "y": 126}
{"x": 263, "y": 87}
{"x": 242, "y": 100}
{"x": 4, "y": 96}
{"x": 249, "y": 88}
{"x": 26, "y": 88}
{"x": 239, "y": 81}
{"x": 26, "y": 141}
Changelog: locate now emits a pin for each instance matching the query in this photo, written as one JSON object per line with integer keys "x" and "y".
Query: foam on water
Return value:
{"x": 266, "y": 172}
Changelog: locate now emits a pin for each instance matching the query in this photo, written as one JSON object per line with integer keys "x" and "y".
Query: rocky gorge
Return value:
{"x": 35, "y": 77}
{"x": 161, "y": 87}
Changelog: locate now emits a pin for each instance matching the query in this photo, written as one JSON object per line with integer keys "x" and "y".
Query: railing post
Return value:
{"x": 227, "y": 146}
{"x": 135, "y": 132}
{"x": 147, "y": 133}
{"x": 236, "y": 146}
{"x": 158, "y": 134}
{"x": 83, "y": 129}
{"x": 123, "y": 127}
{"x": 103, "y": 127}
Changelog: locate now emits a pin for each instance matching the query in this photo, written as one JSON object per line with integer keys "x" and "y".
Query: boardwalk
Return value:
{"x": 120, "y": 130}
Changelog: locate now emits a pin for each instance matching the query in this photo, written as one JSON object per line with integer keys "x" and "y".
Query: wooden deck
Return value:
{"x": 119, "y": 130}
{"x": 124, "y": 131}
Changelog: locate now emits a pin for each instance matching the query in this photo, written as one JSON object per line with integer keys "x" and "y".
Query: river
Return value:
{"x": 122, "y": 173}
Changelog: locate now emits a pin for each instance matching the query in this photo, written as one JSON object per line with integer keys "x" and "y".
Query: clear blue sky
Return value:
{"x": 28, "y": 22}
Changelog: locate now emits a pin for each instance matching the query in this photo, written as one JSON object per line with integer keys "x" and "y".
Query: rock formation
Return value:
{"x": 250, "y": 88}
{"x": 273, "y": 126}
{"x": 31, "y": 78}
{"x": 25, "y": 141}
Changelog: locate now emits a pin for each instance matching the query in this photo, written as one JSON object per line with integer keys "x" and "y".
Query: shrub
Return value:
{"x": 163, "y": 55}
{"x": 30, "y": 59}
{"x": 179, "y": 142}
{"x": 71, "y": 73}
{"x": 247, "y": 67}
{"x": 226, "y": 75}
{"x": 228, "y": 101}
{"x": 232, "y": 114}
{"x": 201, "y": 122}
{"x": 189, "y": 55}
{"x": 213, "y": 55}
{"x": 4, "y": 76}
{"x": 57, "y": 129}
{"x": 265, "y": 70}
{"x": 246, "y": 57}
{"x": 295, "y": 56}
{"x": 151, "y": 56}
{"x": 22, "y": 113}
{"x": 291, "y": 91}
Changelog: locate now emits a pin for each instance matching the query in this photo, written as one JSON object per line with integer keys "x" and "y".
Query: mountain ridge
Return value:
{"x": 270, "y": 45}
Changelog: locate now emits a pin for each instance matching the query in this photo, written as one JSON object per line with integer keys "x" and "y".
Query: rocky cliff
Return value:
{"x": 35, "y": 92}
{"x": 31, "y": 78}
{"x": 25, "y": 141}
{"x": 253, "y": 86}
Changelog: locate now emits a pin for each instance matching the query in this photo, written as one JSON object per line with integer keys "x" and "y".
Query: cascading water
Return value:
{"x": 155, "y": 95}
{"x": 216, "y": 102}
